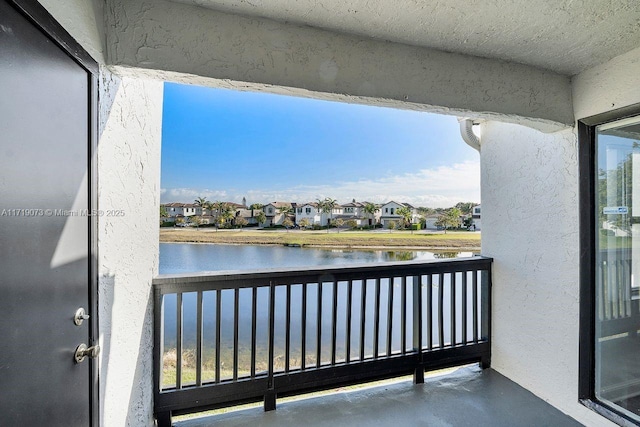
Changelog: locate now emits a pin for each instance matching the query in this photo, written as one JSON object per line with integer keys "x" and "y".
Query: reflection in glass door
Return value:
{"x": 617, "y": 204}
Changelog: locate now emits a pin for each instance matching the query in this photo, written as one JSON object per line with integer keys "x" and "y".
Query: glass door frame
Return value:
{"x": 587, "y": 156}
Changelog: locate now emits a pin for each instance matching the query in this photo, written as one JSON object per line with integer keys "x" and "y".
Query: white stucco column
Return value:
{"x": 530, "y": 227}
{"x": 129, "y": 182}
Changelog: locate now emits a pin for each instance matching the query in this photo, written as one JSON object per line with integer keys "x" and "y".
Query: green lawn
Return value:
{"x": 453, "y": 240}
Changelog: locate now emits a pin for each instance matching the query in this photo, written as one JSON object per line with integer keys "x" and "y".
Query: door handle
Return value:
{"x": 83, "y": 351}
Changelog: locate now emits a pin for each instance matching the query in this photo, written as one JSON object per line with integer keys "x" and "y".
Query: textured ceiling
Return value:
{"x": 566, "y": 36}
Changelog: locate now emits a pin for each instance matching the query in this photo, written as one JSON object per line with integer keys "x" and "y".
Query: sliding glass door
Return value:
{"x": 616, "y": 281}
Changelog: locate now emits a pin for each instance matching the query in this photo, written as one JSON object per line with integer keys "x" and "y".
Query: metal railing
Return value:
{"x": 227, "y": 338}
{"x": 618, "y": 301}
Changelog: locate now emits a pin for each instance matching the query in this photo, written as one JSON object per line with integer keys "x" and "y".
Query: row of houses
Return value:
{"x": 314, "y": 214}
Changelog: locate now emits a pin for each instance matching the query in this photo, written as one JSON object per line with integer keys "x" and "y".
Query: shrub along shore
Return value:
{"x": 459, "y": 240}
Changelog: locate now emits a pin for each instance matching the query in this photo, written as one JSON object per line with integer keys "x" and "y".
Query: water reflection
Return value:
{"x": 446, "y": 255}
{"x": 193, "y": 257}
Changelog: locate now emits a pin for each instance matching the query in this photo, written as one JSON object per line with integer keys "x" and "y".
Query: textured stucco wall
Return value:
{"x": 614, "y": 84}
{"x": 129, "y": 180}
{"x": 169, "y": 36}
{"x": 530, "y": 227}
{"x": 84, "y": 20}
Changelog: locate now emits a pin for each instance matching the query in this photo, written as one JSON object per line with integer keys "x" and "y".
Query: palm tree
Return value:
{"x": 209, "y": 206}
{"x": 370, "y": 209}
{"x": 322, "y": 208}
{"x": 201, "y": 202}
{"x": 256, "y": 207}
{"x": 406, "y": 214}
{"x": 260, "y": 217}
{"x": 285, "y": 211}
{"x": 327, "y": 205}
{"x": 217, "y": 206}
{"x": 227, "y": 213}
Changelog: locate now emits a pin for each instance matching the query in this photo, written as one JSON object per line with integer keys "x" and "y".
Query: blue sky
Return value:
{"x": 226, "y": 145}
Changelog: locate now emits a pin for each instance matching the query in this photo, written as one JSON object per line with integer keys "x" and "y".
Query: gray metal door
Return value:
{"x": 45, "y": 261}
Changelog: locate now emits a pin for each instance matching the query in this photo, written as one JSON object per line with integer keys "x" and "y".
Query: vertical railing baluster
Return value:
{"x": 218, "y": 320}
{"x": 464, "y": 307}
{"x": 158, "y": 337}
{"x": 271, "y": 337}
{"x": 319, "y": 327}
{"x": 254, "y": 312}
{"x": 600, "y": 292}
{"x": 616, "y": 284}
{"x": 287, "y": 338}
{"x": 403, "y": 315}
{"x": 236, "y": 326}
{"x": 418, "y": 373}
{"x": 626, "y": 279}
{"x": 452, "y": 309}
{"x": 269, "y": 402}
{"x": 605, "y": 290}
{"x": 179, "y": 340}
{"x": 440, "y": 310}
{"x": 475, "y": 305}
{"x": 610, "y": 292}
{"x": 620, "y": 287}
{"x": 417, "y": 314}
{"x": 629, "y": 279}
{"x": 303, "y": 325}
{"x": 363, "y": 312}
{"x": 334, "y": 321}
{"x": 429, "y": 321}
{"x": 376, "y": 319}
{"x": 390, "y": 317}
{"x": 347, "y": 352}
{"x": 199, "y": 340}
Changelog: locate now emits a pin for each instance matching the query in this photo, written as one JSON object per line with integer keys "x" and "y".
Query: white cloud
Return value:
{"x": 187, "y": 195}
{"x": 439, "y": 187}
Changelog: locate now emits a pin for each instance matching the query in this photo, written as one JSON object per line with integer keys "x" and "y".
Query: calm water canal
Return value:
{"x": 194, "y": 257}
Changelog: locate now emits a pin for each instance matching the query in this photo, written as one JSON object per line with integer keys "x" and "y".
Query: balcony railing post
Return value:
{"x": 163, "y": 419}
{"x": 179, "y": 341}
{"x": 418, "y": 374}
{"x": 485, "y": 313}
{"x": 270, "y": 396}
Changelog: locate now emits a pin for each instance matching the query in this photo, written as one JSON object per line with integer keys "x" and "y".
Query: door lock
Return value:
{"x": 83, "y": 351}
{"x": 80, "y": 316}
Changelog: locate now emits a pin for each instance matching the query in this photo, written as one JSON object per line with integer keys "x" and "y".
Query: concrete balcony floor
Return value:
{"x": 466, "y": 397}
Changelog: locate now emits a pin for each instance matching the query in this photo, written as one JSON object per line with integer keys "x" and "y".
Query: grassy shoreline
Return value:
{"x": 469, "y": 241}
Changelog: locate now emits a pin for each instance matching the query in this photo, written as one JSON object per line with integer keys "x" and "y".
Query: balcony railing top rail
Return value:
{"x": 228, "y": 337}
{"x": 189, "y": 282}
